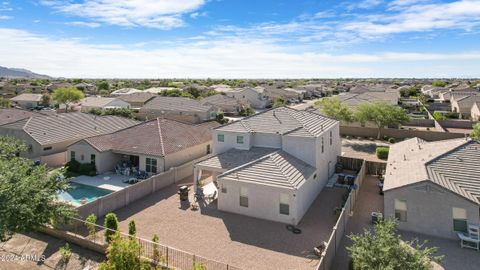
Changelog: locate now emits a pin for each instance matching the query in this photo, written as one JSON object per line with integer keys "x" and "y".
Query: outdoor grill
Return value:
{"x": 183, "y": 193}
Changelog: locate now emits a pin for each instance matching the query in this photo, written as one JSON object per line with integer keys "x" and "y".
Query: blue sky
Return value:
{"x": 242, "y": 39}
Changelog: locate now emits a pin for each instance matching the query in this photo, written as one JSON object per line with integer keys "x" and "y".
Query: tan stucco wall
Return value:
{"x": 475, "y": 112}
{"x": 263, "y": 201}
{"x": 429, "y": 212}
{"x": 187, "y": 155}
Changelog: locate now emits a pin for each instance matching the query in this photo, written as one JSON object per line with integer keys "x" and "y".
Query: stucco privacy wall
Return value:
{"x": 54, "y": 160}
{"x": 429, "y": 210}
{"x": 399, "y": 133}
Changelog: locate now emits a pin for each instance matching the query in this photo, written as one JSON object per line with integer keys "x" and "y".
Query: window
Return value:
{"x": 151, "y": 165}
{"x": 92, "y": 159}
{"x": 240, "y": 139}
{"x": 243, "y": 197}
{"x": 284, "y": 204}
{"x": 331, "y": 137}
{"x": 323, "y": 145}
{"x": 401, "y": 210}
{"x": 72, "y": 155}
{"x": 224, "y": 189}
{"x": 47, "y": 148}
{"x": 82, "y": 157}
{"x": 459, "y": 219}
{"x": 208, "y": 149}
{"x": 220, "y": 138}
{"x": 30, "y": 148}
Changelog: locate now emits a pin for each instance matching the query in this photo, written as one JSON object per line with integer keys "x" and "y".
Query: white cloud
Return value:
{"x": 84, "y": 24}
{"x": 219, "y": 58}
{"x": 161, "y": 14}
{"x": 464, "y": 15}
{"x": 4, "y": 17}
{"x": 195, "y": 15}
{"x": 365, "y": 4}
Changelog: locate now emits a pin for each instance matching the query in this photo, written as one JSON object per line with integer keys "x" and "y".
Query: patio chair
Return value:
{"x": 212, "y": 196}
{"x": 471, "y": 239}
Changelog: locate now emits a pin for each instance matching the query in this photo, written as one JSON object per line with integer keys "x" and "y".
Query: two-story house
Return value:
{"x": 274, "y": 164}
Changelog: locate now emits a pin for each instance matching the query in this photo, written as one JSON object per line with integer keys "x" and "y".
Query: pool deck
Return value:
{"x": 110, "y": 181}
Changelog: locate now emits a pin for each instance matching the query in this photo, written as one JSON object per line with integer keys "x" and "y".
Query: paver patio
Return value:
{"x": 238, "y": 240}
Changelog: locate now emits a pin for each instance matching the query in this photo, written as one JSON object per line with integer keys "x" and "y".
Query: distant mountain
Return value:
{"x": 20, "y": 73}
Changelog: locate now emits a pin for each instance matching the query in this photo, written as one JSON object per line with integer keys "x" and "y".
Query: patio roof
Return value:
{"x": 234, "y": 158}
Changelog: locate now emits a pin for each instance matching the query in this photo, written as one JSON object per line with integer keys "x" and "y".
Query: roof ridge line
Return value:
{"x": 280, "y": 169}
{"x": 161, "y": 137}
{"x": 298, "y": 120}
{"x": 248, "y": 163}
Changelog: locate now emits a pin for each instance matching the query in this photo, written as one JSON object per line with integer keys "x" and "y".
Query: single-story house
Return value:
{"x": 27, "y": 101}
{"x": 47, "y": 137}
{"x": 463, "y": 104}
{"x": 13, "y": 115}
{"x": 124, "y": 91}
{"x": 103, "y": 103}
{"x": 475, "y": 111}
{"x": 224, "y": 103}
{"x": 433, "y": 188}
{"x": 153, "y": 146}
{"x": 137, "y": 100}
{"x": 177, "y": 108}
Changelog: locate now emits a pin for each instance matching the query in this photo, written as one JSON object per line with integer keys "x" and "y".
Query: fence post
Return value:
{"x": 167, "y": 256}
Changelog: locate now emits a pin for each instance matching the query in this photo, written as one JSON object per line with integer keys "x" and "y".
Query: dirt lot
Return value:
{"x": 362, "y": 149}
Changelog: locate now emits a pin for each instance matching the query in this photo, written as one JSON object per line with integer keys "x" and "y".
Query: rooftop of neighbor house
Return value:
{"x": 27, "y": 97}
{"x": 69, "y": 126}
{"x": 176, "y": 104}
{"x": 469, "y": 99}
{"x": 125, "y": 91}
{"x": 452, "y": 164}
{"x": 220, "y": 99}
{"x": 157, "y": 137}
{"x": 97, "y": 101}
{"x": 138, "y": 97}
{"x": 258, "y": 89}
{"x": 277, "y": 169}
{"x": 285, "y": 121}
{"x": 13, "y": 115}
{"x": 353, "y": 100}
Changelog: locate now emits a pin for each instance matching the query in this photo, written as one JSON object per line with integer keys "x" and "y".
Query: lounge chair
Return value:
{"x": 470, "y": 239}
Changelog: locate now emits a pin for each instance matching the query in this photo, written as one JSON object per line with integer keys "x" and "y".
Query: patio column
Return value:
{"x": 197, "y": 173}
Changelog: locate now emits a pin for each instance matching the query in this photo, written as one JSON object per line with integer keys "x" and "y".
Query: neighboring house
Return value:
{"x": 285, "y": 92}
{"x": 463, "y": 104}
{"x": 154, "y": 146}
{"x": 274, "y": 164}
{"x": 433, "y": 187}
{"x": 432, "y": 91}
{"x": 353, "y": 100}
{"x": 177, "y": 108}
{"x": 137, "y": 100}
{"x": 103, "y": 103}
{"x": 224, "y": 103}
{"x": 87, "y": 87}
{"x": 447, "y": 96}
{"x": 27, "y": 101}
{"x": 475, "y": 111}
{"x": 157, "y": 90}
{"x": 124, "y": 91}
{"x": 47, "y": 137}
{"x": 13, "y": 115}
{"x": 254, "y": 96}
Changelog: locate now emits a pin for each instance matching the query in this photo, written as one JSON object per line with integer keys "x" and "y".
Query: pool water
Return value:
{"x": 77, "y": 192}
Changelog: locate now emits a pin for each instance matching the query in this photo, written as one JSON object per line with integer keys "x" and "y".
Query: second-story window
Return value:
{"x": 240, "y": 139}
{"x": 331, "y": 137}
{"x": 323, "y": 145}
{"x": 220, "y": 138}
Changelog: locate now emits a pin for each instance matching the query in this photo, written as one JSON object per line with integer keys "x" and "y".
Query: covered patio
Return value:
{"x": 226, "y": 161}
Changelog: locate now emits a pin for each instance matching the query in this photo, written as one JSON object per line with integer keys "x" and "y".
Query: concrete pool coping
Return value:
{"x": 108, "y": 181}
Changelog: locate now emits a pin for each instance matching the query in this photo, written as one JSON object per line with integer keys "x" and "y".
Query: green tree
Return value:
{"x": 476, "y": 132}
{"x": 124, "y": 254}
{"x": 246, "y": 111}
{"x": 156, "y": 252}
{"x": 67, "y": 95}
{"x": 383, "y": 249}
{"x": 102, "y": 85}
{"x": 46, "y": 98}
{"x": 28, "y": 193}
{"x": 111, "y": 223}
{"x": 334, "y": 108}
{"x": 279, "y": 102}
{"x": 91, "y": 225}
{"x": 413, "y": 91}
{"x": 132, "y": 229}
{"x": 382, "y": 114}
{"x": 439, "y": 116}
{"x": 220, "y": 118}
{"x": 5, "y": 103}
{"x": 439, "y": 83}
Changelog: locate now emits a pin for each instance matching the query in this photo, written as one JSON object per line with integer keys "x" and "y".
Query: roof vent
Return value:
{"x": 405, "y": 157}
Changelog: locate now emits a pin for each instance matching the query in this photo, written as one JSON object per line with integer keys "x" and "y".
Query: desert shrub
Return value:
{"x": 111, "y": 223}
{"x": 391, "y": 140}
{"x": 382, "y": 152}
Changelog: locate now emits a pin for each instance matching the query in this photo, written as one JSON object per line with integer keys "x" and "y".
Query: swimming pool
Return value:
{"x": 79, "y": 192}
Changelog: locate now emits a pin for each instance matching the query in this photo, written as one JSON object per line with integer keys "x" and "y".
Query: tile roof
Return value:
{"x": 176, "y": 104}
{"x": 96, "y": 101}
{"x": 13, "y": 115}
{"x": 235, "y": 157}
{"x": 221, "y": 100}
{"x": 27, "y": 97}
{"x": 452, "y": 164}
{"x": 157, "y": 137}
{"x": 69, "y": 126}
{"x": 138, "y": 97}
{"x": 278, "y": 169}
{"x": 283, "y": 120}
